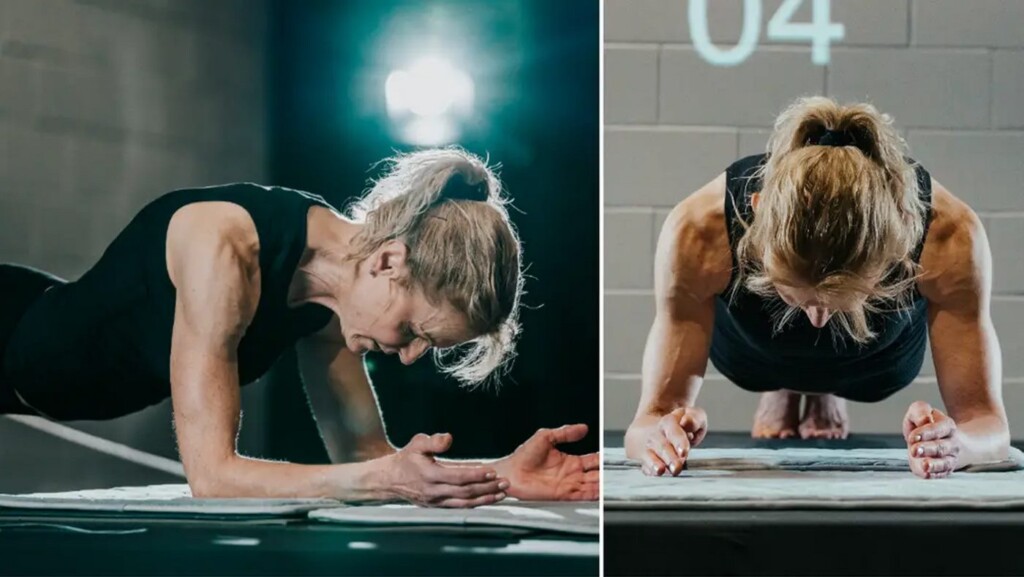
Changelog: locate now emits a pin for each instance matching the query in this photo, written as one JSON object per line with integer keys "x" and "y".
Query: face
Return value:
{"x": 807, "y": 299}
{"x": 817, "y": 312}
{"x": 381, "y": 314}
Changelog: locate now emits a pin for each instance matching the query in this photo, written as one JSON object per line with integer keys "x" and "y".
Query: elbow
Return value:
{"x": 211, "y": 482}
{"x": 207, "y": 487}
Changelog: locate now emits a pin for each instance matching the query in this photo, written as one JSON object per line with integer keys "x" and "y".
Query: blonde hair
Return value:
{"x": 465, "y": 252}
{"x": 843, "y": 220}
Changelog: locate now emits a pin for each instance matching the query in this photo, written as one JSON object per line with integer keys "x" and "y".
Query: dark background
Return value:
{"x": 537, "y": 77}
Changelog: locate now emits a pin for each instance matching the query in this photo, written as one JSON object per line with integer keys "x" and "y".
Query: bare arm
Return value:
{"x": 957, "y": 282}
{"x": 342, "y": 396}
{"x": 212, "y": 260}
{"x": 692, "y": 265}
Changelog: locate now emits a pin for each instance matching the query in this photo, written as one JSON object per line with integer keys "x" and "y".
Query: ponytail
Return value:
{"x": 447, "y": 206}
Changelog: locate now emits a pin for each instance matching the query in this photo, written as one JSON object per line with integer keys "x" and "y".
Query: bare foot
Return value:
{"x": 777, "y": 416}
{"x": 824, "y": 418}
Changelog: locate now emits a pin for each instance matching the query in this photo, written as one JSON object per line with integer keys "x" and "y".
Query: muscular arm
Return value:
{"x": 211, "y": 254}
{"x": 212, "y": 257}
{"x": 342, "y": 396}
{"x": 957, "y": 281}
{"x": 692, "y": 264}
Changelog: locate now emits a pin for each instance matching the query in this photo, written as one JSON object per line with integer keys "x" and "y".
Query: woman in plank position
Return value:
{"x": 817, "y": 273}
{"x": 205, "y": 289}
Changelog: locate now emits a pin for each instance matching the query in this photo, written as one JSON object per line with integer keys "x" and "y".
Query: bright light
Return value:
{"x": 430, "y": 88}
{"x": 429, "y": 131}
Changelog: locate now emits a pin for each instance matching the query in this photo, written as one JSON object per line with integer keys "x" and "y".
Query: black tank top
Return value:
{"x": 801, "y": 357}
{"x": 100, "y": 347}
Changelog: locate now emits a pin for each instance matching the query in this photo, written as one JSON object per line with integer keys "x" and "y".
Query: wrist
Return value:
{"x": 504, "y": 467}
{"x": 982, "y": 441}
{"x": 366, "y": 481}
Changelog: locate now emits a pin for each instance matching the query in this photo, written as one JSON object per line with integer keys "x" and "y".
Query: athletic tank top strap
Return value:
{"x": 280, "y": 218}
{"x": 924, "y": 187}
{"x": 278, "y": 214}
{"x": 742, "y": 179}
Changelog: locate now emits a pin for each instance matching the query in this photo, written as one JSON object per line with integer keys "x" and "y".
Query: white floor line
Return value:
{"x": 101, "y": 445}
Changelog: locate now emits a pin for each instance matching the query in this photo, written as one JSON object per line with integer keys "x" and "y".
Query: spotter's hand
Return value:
{"x": 932, "y": 441}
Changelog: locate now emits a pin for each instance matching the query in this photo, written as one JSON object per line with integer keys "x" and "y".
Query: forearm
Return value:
{"x": 983, "y": 439}
{"x": 241, "y": 477}
{"x": 679, "y": 389}
{"x": 675, "y": 358}
{"x": 343, "y": 400}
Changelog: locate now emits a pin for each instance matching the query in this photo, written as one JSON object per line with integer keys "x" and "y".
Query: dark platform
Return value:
{"x": 101, "y": 545}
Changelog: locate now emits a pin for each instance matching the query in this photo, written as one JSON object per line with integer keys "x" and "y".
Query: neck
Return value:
{"x": 325, "y": 273}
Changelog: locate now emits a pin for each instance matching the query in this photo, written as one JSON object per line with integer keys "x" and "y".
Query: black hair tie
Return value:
{"x": 457, "y": 188}
{"x": 834, "y": 138}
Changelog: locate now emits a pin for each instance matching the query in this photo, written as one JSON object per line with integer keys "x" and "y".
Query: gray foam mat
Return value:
{"x": 801, "y": 459}
{"x": 561, "y": 517}
{"x": 809, "y": 478}
{"x": 160, "y": 500}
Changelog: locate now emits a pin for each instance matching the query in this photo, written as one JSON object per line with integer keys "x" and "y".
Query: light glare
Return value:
{"x": 430, "y": 87}
{"x": 429, "y": 131}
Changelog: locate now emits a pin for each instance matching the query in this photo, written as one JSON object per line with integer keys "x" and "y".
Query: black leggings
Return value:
{"x": 20, "y": 286}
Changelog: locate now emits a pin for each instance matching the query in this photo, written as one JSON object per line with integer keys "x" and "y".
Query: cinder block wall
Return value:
{"x": 104, "y": 105}
{"x": 950, "y": 72}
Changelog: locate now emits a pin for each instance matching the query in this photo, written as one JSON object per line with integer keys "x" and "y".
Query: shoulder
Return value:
{"x": 956, "y": 259}
{"x": 693, "y": 247}
{"x": 212, "y": 233}
{"x": 745, "y": 172}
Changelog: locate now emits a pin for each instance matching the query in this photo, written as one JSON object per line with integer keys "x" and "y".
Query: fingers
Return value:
{"x": 669, "y": 445}
{"x": 698, "y": 436}
{"x": 939, "y": 467}
{"x": 591, "y": 461}
{"x": 677, "y": 438}
{"x": 918, "y": 414}
{"x": 932, "y": 441}
{"x": 677, "y": 435}
{"x": 459, "y": 475}
{"x": 592, "y": 477}
{"x": 933, "y": 468}
{"x": 588, "y": 492}
{"x": 471, "y": 491}
{"x": 652, "y": 464}
{"x": 942, "y": 428}
{"x": 693, "y": 419}
{"x": 669, "y": 452}
{"x": 568, "y": 434}
{"x": 430, "y": 444}
{"x": 455, "y": 502}
{"x": 935, "y": 449}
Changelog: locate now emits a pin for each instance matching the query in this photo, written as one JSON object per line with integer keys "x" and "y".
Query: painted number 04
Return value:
{"x": 820, "y": 31}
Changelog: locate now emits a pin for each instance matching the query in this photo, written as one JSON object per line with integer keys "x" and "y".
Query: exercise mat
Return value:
{"x": 561, "y": 517}
{"x": 801, "y": 459}
{"x": 159, "y": 500}
{"x": 809, "y": 478}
